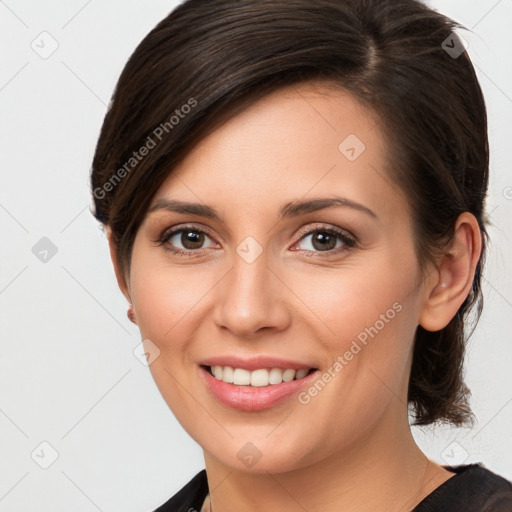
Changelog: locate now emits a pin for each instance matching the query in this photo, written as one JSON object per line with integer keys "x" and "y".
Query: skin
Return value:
{"x": 350, "y": 447}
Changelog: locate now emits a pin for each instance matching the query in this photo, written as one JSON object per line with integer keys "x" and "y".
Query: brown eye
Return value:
{"x": 186, "y": 240}
{"x": 192, "y": 239}
{"x": 325, "y": 240}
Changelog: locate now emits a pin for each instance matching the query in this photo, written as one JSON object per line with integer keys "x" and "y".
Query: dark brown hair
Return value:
{"x": 206, "y": 61}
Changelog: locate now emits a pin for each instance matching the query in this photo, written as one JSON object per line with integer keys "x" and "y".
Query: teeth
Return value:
{"x": 227, "y": 374}
{"x": 275, "y": 376}
{"x": 240, "y": 377}
{"x": 257, "y": 378}
{"x": 301, "y": 373}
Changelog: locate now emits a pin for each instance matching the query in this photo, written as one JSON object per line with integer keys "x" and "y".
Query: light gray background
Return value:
{"x": 68, "y": 375}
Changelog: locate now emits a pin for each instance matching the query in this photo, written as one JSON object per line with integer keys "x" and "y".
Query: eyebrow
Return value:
{"x": 290, "y": 209}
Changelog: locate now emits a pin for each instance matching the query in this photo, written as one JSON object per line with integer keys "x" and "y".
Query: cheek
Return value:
{"x": 365, "y": 317}
{"x": 173, "y": 305}
{"x": 356, "y": 301}
{"x": 367, "y": 365}
{"x": 166, "y": 301}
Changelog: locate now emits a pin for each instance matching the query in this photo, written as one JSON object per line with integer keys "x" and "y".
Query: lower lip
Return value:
{"x": 252, "y": 398}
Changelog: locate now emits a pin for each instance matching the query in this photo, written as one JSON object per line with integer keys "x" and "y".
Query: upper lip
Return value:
{"x": 255, "y": 362}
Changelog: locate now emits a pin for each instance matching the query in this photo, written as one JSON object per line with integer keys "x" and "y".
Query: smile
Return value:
{"x": 255, "y": 389}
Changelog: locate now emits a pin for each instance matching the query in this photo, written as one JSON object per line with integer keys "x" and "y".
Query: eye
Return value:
{"x": 325, "y": 240}
{"x": 185, "y": 239}
{"x": 192, "y": 241}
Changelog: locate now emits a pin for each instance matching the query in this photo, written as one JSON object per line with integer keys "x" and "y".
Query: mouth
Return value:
{"x": 256, "y": 389}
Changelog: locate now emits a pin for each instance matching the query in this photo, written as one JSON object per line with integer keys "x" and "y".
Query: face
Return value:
{"x": 294, "y": 280}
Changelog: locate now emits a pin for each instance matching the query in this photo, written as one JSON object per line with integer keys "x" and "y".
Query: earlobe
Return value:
{"x": 453, "y": 278}
{"x": 131, "y": 314}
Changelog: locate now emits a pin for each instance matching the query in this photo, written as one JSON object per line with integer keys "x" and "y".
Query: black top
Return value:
{"x": 473, "y": 489}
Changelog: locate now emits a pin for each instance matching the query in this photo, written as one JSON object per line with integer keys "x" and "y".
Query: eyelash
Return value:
{"x": 349, "y": 241}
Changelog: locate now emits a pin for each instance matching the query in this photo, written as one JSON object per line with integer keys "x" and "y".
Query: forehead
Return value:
{"x": 303, "y": 139}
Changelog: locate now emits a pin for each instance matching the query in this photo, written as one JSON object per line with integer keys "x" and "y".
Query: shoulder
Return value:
{"x": 474, "y": 488}
{"x": 190, "y": 497}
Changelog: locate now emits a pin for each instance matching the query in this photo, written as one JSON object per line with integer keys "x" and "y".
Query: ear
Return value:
{"x": 121, "y": 280}
{"x": 452, "y": 279}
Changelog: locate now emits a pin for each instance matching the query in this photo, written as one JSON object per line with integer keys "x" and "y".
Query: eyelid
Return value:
{"x": 324, "y": 227}
{"x": 172, "y": 230}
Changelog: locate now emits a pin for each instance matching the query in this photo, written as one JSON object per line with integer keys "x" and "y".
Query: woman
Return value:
{"x": 294, "y": 198}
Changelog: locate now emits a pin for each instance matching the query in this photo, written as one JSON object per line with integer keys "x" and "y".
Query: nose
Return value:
{"x": 251, "y": 299}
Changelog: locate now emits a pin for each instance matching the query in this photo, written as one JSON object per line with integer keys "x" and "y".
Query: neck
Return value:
{"x": 386, "y": 471}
